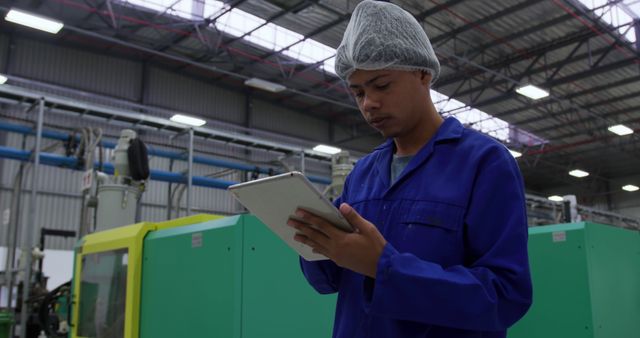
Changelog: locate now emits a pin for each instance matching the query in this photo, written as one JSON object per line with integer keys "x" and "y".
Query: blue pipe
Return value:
{"x": 71, "y": 162}
{"x": 45, "y": 158}
{"x": 16, "y": 128}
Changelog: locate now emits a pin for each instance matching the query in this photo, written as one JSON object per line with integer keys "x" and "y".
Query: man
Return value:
{"x": 440, "y": 248}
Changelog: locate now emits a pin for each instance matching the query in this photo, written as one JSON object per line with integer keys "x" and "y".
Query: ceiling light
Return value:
{"x": 621, "y": 130}
{"x": 556, "y": 198}
{"x": 264, "y": 85}
{"x": 578, "y": 173}
{"x": 188, "y": 120}
{"x": 3, "y": 79}
{"x": 630, "y": 187}
{"x": 327, "y": 149}
{"x": 515, "y": 154}
{"x": 532, "y": 92}
{"x": 34, "y": 21}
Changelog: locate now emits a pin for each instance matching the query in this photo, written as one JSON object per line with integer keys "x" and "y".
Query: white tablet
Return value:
{"x": 275, "y": 199}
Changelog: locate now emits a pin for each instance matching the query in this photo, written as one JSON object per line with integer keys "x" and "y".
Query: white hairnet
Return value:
{"x": 382, "y": 35}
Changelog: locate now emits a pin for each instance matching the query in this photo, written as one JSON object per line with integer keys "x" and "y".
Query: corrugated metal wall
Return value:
{"x": 4, "y": 50}
{"x": 269, "y": 117}
{"x": 59, "y": 199}
{"x": 76, "y": 69}
{"x": 59, "y": 202}
{"x": 170, "y": 90}
{"x": 59, "y": 189}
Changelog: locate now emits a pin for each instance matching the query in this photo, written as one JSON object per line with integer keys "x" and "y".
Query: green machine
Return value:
{"x": 229, "y": 277}
{"x": 586, "y": 282}
{"x": 6, "y": 319}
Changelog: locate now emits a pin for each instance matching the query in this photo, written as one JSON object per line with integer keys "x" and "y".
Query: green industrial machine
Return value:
{"x": 6, "y": 319}
{"x": 586, "y": 280}
{"x": 195, "y": 277}
{"x": 232, "y": 277}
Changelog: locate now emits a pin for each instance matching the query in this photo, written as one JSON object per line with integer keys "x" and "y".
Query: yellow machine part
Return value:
{"x": 129, "y": 237}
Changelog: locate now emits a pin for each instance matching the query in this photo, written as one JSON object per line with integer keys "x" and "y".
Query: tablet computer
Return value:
{"x": 275, "y": 199}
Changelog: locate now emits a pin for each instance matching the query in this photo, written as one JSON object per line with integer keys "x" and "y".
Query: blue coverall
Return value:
{"x": 455, "y": 264}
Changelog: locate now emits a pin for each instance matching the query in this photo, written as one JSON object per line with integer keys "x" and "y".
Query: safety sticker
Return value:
{"x": 559, "y": 236}
{"x": 196, "y": 240}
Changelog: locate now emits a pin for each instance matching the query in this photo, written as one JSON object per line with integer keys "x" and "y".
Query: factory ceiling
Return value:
{"x": 488, "y": 49}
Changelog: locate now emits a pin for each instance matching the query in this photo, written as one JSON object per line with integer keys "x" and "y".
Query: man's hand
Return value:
{"x": 358, "y": 251}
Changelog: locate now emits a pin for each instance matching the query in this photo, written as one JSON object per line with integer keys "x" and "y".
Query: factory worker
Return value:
{"x": 441, "y": 243}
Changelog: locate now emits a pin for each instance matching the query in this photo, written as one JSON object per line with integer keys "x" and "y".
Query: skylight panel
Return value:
{"x": 213, "y": 8}
{"x": 264, "y": 36}
{"x": 310, "y": 51}
{"x": 182, "y": 8}
{"x": 330, "y": 65}
{"x": 237, "y": 23}
{"x": 273, "y": 37}
{"x": 285, "y": 37}
{"x": 482, "y": 121}
{"x": 618, "y": 14}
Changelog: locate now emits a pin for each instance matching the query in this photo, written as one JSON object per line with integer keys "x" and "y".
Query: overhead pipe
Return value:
{"x": 60, "y": 136}
{"x": 72, "y": 163}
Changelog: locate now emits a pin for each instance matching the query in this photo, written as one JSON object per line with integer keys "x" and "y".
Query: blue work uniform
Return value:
{"x": 455, "y": 263}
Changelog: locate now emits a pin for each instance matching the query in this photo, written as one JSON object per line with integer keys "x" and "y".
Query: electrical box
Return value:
{"x": 586, "y": 282}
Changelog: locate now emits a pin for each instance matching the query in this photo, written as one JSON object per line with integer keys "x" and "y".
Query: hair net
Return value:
{"x": 382, "y": 35}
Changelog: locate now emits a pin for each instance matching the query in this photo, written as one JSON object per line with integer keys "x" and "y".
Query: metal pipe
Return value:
{"x": 12, "y": 230}
{"x": 189, "y": 172}
{"x": 63, "y": 104}
{"x": 16, "y": 128}
{"x": 169, "y": 196}
{"x": 31, "y": 224}
{"x": 72, "y": 163}
{"x": 17, "y": 194}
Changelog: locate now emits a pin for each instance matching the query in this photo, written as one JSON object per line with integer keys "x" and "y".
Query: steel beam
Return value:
{"x": 436, "y": 9}
{"x": 526, "y": 54}
{"x": 490, "y": 18}
{"x": 633, "y": 95}
{"x": 276, "y": 52}
{"x": 553, "y": 83}
{"x": 571, "y": 96}
{"x": 190, "y": 172}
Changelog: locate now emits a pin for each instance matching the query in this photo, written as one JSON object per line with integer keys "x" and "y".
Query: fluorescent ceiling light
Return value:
{"x": 532, "y": 92}
{"x": 515, "y": 154}
{"x": 556, "y": 198}
{"x": 621, "y": 130}
{"x": 578, "y": 173}
{"x": 34, "y": 21}
{"x": 3, "y": 79}
{"x": 188, "y": 120}
{"x": 630, "y": 187}
{"x": 327, "y": 149}
{"x": 264, "y": 85}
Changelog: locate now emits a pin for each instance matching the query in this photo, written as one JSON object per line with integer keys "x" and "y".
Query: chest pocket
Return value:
{"x": 430, "y": 230}
{"x": 432, "y": 214}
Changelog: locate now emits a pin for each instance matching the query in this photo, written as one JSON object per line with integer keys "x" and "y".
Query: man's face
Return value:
{"x": 391, "y": 101}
